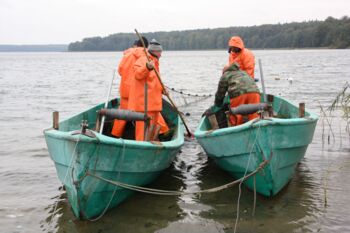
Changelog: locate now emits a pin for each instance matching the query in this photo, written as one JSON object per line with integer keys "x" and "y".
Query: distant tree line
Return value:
{"x": 34, "y": 48}
{"x": 331, "y": 33}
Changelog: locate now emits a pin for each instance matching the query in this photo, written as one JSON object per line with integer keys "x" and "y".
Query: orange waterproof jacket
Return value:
{"x": 245, "y": 58}
{"x": 142, "y": 75}
{"x": 126, "y": 70}
{"x": 126, "y": 51}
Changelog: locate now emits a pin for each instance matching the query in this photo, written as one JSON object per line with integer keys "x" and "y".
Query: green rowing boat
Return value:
{"x": 76, "y": 155}
{"x": 281, "y": 139}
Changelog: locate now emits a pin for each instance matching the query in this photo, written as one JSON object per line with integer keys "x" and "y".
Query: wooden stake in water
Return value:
{"x": 262, "y": 81}
{"x": 301, "y": 110}
{"x": 55, "y": 116}
{"x": 107, "y": 100}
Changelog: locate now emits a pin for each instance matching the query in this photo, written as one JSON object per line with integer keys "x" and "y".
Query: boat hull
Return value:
{"x": 127, "y": 161}
{"x": 243, "y": 148}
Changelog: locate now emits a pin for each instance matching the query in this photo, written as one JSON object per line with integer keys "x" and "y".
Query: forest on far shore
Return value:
{"x": 330, "y": 33}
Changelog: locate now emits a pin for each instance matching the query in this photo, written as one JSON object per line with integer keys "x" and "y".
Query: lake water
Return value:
{"x": 33, "y": 85}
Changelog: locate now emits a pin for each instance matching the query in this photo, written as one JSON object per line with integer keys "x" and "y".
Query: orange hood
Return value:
{"x": 138, "y": 52}
{"x": 236, "y": 41}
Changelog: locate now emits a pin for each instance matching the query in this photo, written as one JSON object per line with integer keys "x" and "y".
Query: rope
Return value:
{"x": 188, "y": 94}
{"x": 113, "y": 194}
{"x": 178, "y": 193}
{"x": 253, "y": 213}
{"x": 65, "y": 177}
{"x": 245, "y": 173}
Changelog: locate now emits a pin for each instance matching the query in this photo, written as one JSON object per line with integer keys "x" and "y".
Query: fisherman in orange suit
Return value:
{"x": 241, "y": 55}
{"x": 134, "y": 45}
{"x": 144, "y": 72}
{"x": 126, "y": 72}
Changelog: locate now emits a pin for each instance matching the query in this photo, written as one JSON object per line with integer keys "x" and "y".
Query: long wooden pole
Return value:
{"x": 161, "y": 83}
{"x": 145, "y": 128}
{"x": 262, "y": 81}
{"x": 107, "y": 100}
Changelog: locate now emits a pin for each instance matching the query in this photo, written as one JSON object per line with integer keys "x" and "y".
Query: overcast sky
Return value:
{"x": 64, "y": 21}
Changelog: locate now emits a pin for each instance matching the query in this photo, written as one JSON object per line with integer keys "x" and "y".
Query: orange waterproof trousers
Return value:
{"x": 248, "y": 98}
{"x": 119, "y": 125}
{"x": 156, "y": 119}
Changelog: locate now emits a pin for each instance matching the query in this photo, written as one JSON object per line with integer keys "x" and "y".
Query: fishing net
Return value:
{"x": 183, "y": 98}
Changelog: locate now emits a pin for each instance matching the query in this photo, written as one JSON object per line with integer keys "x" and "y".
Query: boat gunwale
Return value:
{"x": 310, "y": 117}
{"x": 176, "y": 142}
{"x": 251, "y": 125}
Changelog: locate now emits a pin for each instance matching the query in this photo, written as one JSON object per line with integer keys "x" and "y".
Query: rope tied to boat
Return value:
{"x": 115, "y": 188}
{"x": 175, "y": 192}
{"x": 69, "y": 169}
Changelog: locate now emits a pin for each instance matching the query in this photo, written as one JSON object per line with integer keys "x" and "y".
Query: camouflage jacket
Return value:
{"x": 236, "y": 82}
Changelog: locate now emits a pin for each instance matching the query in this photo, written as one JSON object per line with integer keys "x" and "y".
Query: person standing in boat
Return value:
{"x": 126, "y": 72}
{"x": 240, "y": 88}
{"x": 134, "y": 45}
{"x": 241, "y": 55}
{"x": 144, "y": 73}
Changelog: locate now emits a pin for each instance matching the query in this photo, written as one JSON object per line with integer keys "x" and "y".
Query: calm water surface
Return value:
{"x": 32, "y": 85}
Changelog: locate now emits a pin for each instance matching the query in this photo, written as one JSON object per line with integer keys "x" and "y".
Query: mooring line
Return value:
{"x": 115, "y": 188}
{"x": 178, "y": 193}
{"x": 245, "y": 174}
{"x": 70, "y": 165}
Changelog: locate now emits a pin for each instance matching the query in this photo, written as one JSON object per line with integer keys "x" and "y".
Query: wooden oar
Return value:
{"x": 189, "y": 134}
